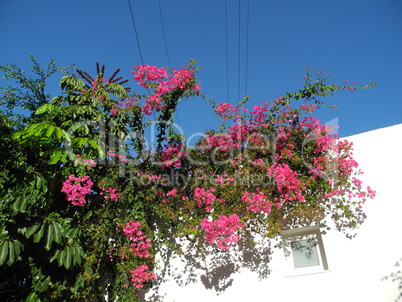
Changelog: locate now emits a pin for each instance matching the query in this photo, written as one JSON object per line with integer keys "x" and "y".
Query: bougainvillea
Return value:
{"x": 222, "y": 231}
{"x": 110, "y": 193}
{"x": 271, "y": 166}
{"x": 76, "y": 188}
{"x": 141, "y": 244}
{"x": 141, "y": 275}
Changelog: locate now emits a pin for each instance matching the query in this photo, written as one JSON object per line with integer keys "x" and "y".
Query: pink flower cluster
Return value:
{"x": 172, "y": 193}
{"x": 77, "y": 188}
{"x": 222, "y": 231}
{"x": 163, "y": 82}
{"x": 257, "y": 202}
{"x": 141, "y": 275}
{"x": 171, "y": 156}
{"x": 110, "y": 193}
{"x": 224, "y": 110}
{"x": 236, "y": 135}
{"x": 346, "y": 164}
{"x": 205, "y": 197}
{"x": 288, "y": 185}
{"x": 324, "y": 141}
{"x": 141, "y": 244}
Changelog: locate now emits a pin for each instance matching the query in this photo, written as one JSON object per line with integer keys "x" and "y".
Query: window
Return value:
{"x": 304, "y": 251}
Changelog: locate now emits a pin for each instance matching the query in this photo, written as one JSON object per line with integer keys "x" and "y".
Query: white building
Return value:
{"x": 355, "y": 267}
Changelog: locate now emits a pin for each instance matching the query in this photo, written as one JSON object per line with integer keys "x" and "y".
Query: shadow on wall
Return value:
{"x": 396, "y": 276}
{"x": 214, "y": 268}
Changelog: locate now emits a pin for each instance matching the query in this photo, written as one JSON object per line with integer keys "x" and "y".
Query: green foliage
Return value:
{"x": 55, "y": 249}
{"x": 27, "y": 92}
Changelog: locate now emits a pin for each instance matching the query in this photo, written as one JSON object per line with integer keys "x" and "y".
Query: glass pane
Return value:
{"x": 305, "y": 253}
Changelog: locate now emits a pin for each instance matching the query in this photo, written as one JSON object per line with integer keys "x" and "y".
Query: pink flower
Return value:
{"x": 140, "y": 243}
{"x": 162, "y": 82}
{"x": 172, "y": 155}
{"x": 76, "y": 189}
{"x": 222, "y": 231}
{"x": 288, "y": 185}
{"x": 371, "y": 192}
{"x": 257, "y": 202}
{"x": 113, "y": 111}
{"x": 205, "y": 197}
{"x": 172, "y": 193}
{"x": 110, "y": 193}
{"x": 141, "y": 275}
{"x": 224, "y": 109}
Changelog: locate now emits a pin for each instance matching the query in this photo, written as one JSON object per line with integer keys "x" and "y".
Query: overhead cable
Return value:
{"x": 135, "y": 31}
{"x": 164, "y": 34}
{"x": 238, "y": 58}
{"x": 227, "y": 51}
{"x": 247, "y": 33}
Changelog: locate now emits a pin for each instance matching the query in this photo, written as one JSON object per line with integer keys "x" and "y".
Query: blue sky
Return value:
{"x": 357, "y": 40}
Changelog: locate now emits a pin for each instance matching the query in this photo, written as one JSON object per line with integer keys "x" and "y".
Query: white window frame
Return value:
{"x": 299, "y": 234}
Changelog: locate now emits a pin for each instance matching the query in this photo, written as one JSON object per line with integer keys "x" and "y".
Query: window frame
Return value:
{"x": 298, "y": 234}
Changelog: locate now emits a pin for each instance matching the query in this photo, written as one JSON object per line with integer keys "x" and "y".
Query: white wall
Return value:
{"x": 356, "y": 266}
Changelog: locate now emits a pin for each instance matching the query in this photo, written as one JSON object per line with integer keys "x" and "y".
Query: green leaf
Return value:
{"x": 72, "y": 233}
{"x": 11, "y": 253}
{"x": 38, "y": 236}
{"x": 88, "y": 215}
{"x": 61, "y": 257}
{"x": 57, "y": 231}
{"x": 43, "y": 285}
{"x": 78, "y": 253}
{"x": 17, "y": 247}
{"x": 3, "y": 251}
{"x": 55, "y": 157}
{"x": 3, "y": 232}
{"x": 59, "y": 133}
{"x": 20, "y": 205}
{"x": 57, "y": 100}
{"x": 31, "y": 230}
{"x": 74, "y": 253}
{"x": 94, "y": 144}
{"x": 71, "y": 83}
{"x": 49, "y": 130}
{"x": 68, "y": 257}
{"x": 55, "y": 256}
{"x": 44, "y": 108}
{"x": 118, "y": 90}
{"x": 49, "y": 237}
{"x": 43, "y": 183}
{"x": 81, "y": 141}
{"x": 33, "y": 297}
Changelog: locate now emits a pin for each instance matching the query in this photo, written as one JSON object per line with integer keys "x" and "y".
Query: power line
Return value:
{"x": 227, "y": 52}
{"x": 247, "y": 32}
{"x": 166, "y": 48}
{"x": 135, "y": 31}
{"x": 238, "y": 59}
{"x": 164, "y": 35}
{"x": 200, "y": 32}
{"x": 138, "y": 41}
